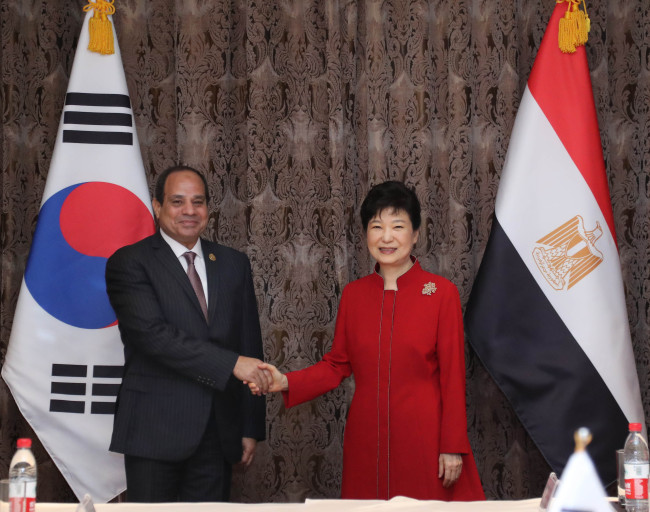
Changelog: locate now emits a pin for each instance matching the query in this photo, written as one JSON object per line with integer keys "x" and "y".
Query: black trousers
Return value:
{"x": 204, "y": 476}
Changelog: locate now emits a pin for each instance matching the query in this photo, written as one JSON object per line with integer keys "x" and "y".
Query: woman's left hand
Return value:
{"x": 449, "y": 466}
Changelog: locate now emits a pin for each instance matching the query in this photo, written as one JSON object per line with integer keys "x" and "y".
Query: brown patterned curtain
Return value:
{"x": 294, "y": 108}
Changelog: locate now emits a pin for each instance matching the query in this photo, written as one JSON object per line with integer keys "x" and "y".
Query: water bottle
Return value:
{"x": 636, "y": 469}
{"x": 22, "y": 478}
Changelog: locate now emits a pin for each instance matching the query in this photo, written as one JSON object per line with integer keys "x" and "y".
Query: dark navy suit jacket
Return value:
{"x": 178, "y": 367}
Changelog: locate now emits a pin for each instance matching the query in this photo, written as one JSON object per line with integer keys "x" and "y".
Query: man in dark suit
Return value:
{"x": 191, "y": 335}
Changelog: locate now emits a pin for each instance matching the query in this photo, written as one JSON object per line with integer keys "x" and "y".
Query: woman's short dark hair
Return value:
{"x": 393, "y": 195}
{"x": 159, "y": 191}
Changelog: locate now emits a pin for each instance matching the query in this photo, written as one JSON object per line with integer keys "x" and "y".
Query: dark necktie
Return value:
{"x": 196, "y": 281}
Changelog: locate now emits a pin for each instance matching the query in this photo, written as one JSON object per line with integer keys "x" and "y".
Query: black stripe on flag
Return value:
{"x": 69, "y": 370}
{"x": 97, "y": 118}
{"x": 106, "y": 371}
{"x": 105, "y": 389}
{"x": 67, "y": 406}
{"x": 79, "y": 388}
{"x": 91, "y": 137}
{"x": 97, "y": 100}
{"x": 68, "y": 388}
{"x": 534, "y": 359}
{"x": 102, "y": 408}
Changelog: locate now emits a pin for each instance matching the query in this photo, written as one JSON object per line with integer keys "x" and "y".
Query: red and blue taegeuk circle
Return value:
{"x": 78, "y": 228}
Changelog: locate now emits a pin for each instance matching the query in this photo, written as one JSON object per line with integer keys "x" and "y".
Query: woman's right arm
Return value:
{"x": 303, "y": 385}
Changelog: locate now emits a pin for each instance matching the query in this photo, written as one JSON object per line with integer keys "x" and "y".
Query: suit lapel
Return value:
{"x": 169, "y": 260}
{"x": 211, "y": 257}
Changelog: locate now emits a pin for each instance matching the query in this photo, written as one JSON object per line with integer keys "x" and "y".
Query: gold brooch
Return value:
{"x": 429, "y": 288}
{"x": 212, "y": 257}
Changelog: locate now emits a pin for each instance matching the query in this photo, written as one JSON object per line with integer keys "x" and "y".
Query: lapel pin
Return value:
{"x": 212, "y": 257}
{"x": 429, "y": 288}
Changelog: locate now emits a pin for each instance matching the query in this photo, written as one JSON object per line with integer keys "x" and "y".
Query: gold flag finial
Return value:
{"x": 99, "y": 26}
{"x": 582, "y": 438}
{"x": 574, "y": 26}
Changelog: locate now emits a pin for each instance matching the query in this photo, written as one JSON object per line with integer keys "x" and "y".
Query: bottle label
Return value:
{"x": 22, "y": 504}
{"x": 636, "y": 481}
{"x": 22, "y": 497}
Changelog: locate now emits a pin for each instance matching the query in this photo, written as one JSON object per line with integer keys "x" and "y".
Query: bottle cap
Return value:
{"x": 24, "y": 442}
{"x": 635, "y": 427}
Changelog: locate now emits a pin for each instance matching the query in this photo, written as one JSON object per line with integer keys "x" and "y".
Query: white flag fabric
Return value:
{"x": 580, "y": 489}
{"x": 547, "y": 313}
{"x": 64, "y": 360}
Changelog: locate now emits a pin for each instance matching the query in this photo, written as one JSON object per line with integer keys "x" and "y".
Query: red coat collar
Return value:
{"x": 411, "y": 276}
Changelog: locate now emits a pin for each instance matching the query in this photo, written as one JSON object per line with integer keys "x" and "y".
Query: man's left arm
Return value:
{"x": 254, "y": 407}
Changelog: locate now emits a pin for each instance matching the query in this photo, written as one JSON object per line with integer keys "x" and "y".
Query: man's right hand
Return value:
{"x": 278, "y": 382}
{"x": 248, "y": 371}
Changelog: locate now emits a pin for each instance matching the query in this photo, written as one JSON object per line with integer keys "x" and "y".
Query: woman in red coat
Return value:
{"x": 400, "y": 331}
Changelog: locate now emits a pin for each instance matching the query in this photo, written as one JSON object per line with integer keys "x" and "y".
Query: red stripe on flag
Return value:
{"x": 561, "y": 85}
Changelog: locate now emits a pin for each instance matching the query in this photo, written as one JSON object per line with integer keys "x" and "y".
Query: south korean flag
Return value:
{"x": 64, "y": 360}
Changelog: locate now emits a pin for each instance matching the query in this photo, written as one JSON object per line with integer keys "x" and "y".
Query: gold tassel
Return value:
{"x": 581, "y": 28}
{"x": 100, "y": 27}
{"x": 584, "y": 25}
{"x": 574, "y": 26}
{"x": 567, "y": 34}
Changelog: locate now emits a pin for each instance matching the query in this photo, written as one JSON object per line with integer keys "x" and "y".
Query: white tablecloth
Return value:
{"x": 396, "y": 504}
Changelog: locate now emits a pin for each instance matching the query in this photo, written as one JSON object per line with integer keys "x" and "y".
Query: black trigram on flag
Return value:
{"x": 97, "y": 119}
{"x": 71, "y": 381}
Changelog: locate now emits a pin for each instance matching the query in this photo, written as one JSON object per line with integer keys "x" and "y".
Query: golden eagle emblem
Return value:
{"x": 567, "y": 254}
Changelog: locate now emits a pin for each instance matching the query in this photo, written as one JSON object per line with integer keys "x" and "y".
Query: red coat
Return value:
{"x": 406, "y": 350}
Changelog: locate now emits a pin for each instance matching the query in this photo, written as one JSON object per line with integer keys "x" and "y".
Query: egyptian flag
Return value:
{"x": 547, "y": 313}
{"x": 64, "y": 360}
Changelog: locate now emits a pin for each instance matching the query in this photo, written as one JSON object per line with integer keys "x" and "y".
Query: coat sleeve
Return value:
{"x": 451, "y": 357}
{"x": 145, "y": 329}
{"x": 328, "y": 373}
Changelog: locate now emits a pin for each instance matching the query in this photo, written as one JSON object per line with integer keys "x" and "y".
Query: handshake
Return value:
{"x": 261, "y": 377}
